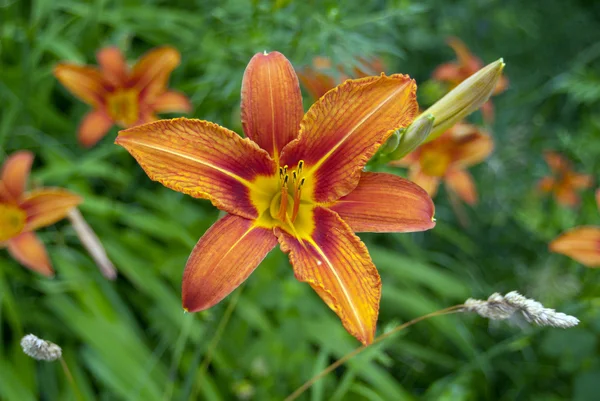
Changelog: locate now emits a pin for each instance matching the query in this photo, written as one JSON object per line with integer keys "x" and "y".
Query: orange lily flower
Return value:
{"x": 122, "y": 96}
{"x": 447, "y": 158}
{"x": 564, "y": 182}
{"x": 317, "y": 79}
{"x": 21, "y": 213}
{"x": 466, "y": 65}
{"x": 295, "y": 179}
{"x": 580, "y": 243}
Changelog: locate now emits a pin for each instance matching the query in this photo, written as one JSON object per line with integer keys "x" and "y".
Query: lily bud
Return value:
{"x": 467, "y": 97}
{"x": 392, "y": 143}
{"x": 414, "y": 135}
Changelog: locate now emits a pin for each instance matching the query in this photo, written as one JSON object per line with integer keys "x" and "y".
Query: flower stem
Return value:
{"x": 345, "y": 358}
{"x": 70, "y": 378}
{"x": 214, "y": 342}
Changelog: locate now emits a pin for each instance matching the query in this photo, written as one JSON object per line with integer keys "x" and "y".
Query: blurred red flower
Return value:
{"x": 122, "y": 96}
{"x": 564, "y": 182}
{"x": 21, "y": 212}
{"x": 447, "y": 158}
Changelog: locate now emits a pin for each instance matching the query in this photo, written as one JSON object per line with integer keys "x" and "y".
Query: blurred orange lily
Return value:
{"x": 21, "y": 213}
{"x": 580, "y": 243}
{"x": 295, "y": 179}
{"x": 318, "y": 78}
{"x": 122, "y": 96}
{"x": 466, "y": 65}
{"x": 564, "y": 182}
{"x": 447, "y": 158}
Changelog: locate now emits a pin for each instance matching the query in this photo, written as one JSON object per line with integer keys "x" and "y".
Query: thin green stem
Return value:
{"x": 214, "y": 342}
{"x": 179, "y": 347}
{"x": 70, "y": 378}
{"x": 345, "y": 358}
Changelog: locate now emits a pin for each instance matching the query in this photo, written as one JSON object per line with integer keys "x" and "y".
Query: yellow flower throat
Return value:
{"x": 285, "y": 200}
{"x": 123, "y": 106}
{"x": 12, "y": 221}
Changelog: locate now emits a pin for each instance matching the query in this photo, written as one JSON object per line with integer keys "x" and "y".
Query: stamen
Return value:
{"x": 300, "y": 166}
{"x": 284, "y": 198}
{"x": 297, "y": 196}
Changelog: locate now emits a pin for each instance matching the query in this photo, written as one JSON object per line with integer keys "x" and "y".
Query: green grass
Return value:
{"x": 130, "y": 340}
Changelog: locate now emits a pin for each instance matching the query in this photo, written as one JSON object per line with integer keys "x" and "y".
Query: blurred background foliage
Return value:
{"x": 130, "y": 340}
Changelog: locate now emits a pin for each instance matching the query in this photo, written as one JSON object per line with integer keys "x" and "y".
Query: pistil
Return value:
{"x": 295, "y": 184}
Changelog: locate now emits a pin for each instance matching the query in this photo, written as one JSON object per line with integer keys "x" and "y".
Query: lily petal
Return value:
{"x": 223, "y": 259}
{"x": 150, "y": 74}
{"x": 546, "y": 184}
{"x": 386, "y": 203}
{"x": 566, "y": 195}
{"x": 316, "y": 83}
{"x": 581, "y": 244}
{"x": 337, "y": 265}
{"x": 367, "y": 67}
{"x": 461, "y": 183}
{"x": 427, "y": 182}
{"x": 201, "y": 159}
{"x": 555, "y": 161}
{"x": 14, "y": 175}
{"x": 487, "y": 110}
{"x": 472, "y": 145}
{"x": 46, "y": 206}
{"x": 448, "y": 72}
{"x": 113, "y": 65}
{"x": 93, "y": 127}
{"x": 172, "y": 102}
{"x": 271, "y": 102}
{"x": 84, "y": 82}
{"x": 501, "y": 85}
{"x": 465, "y": 58}
{"x": 343, "y": 130}
{"x": 581, "y": 181}
{"x": 28, "y": 250}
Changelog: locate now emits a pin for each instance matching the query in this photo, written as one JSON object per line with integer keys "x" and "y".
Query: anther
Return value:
{"x": 300, "y": 166}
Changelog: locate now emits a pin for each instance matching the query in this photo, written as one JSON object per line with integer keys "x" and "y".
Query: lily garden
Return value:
{"x": 265, "y": 200}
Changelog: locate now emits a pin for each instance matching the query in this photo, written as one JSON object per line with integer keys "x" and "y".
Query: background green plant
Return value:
{"x": 130, "y": 339}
